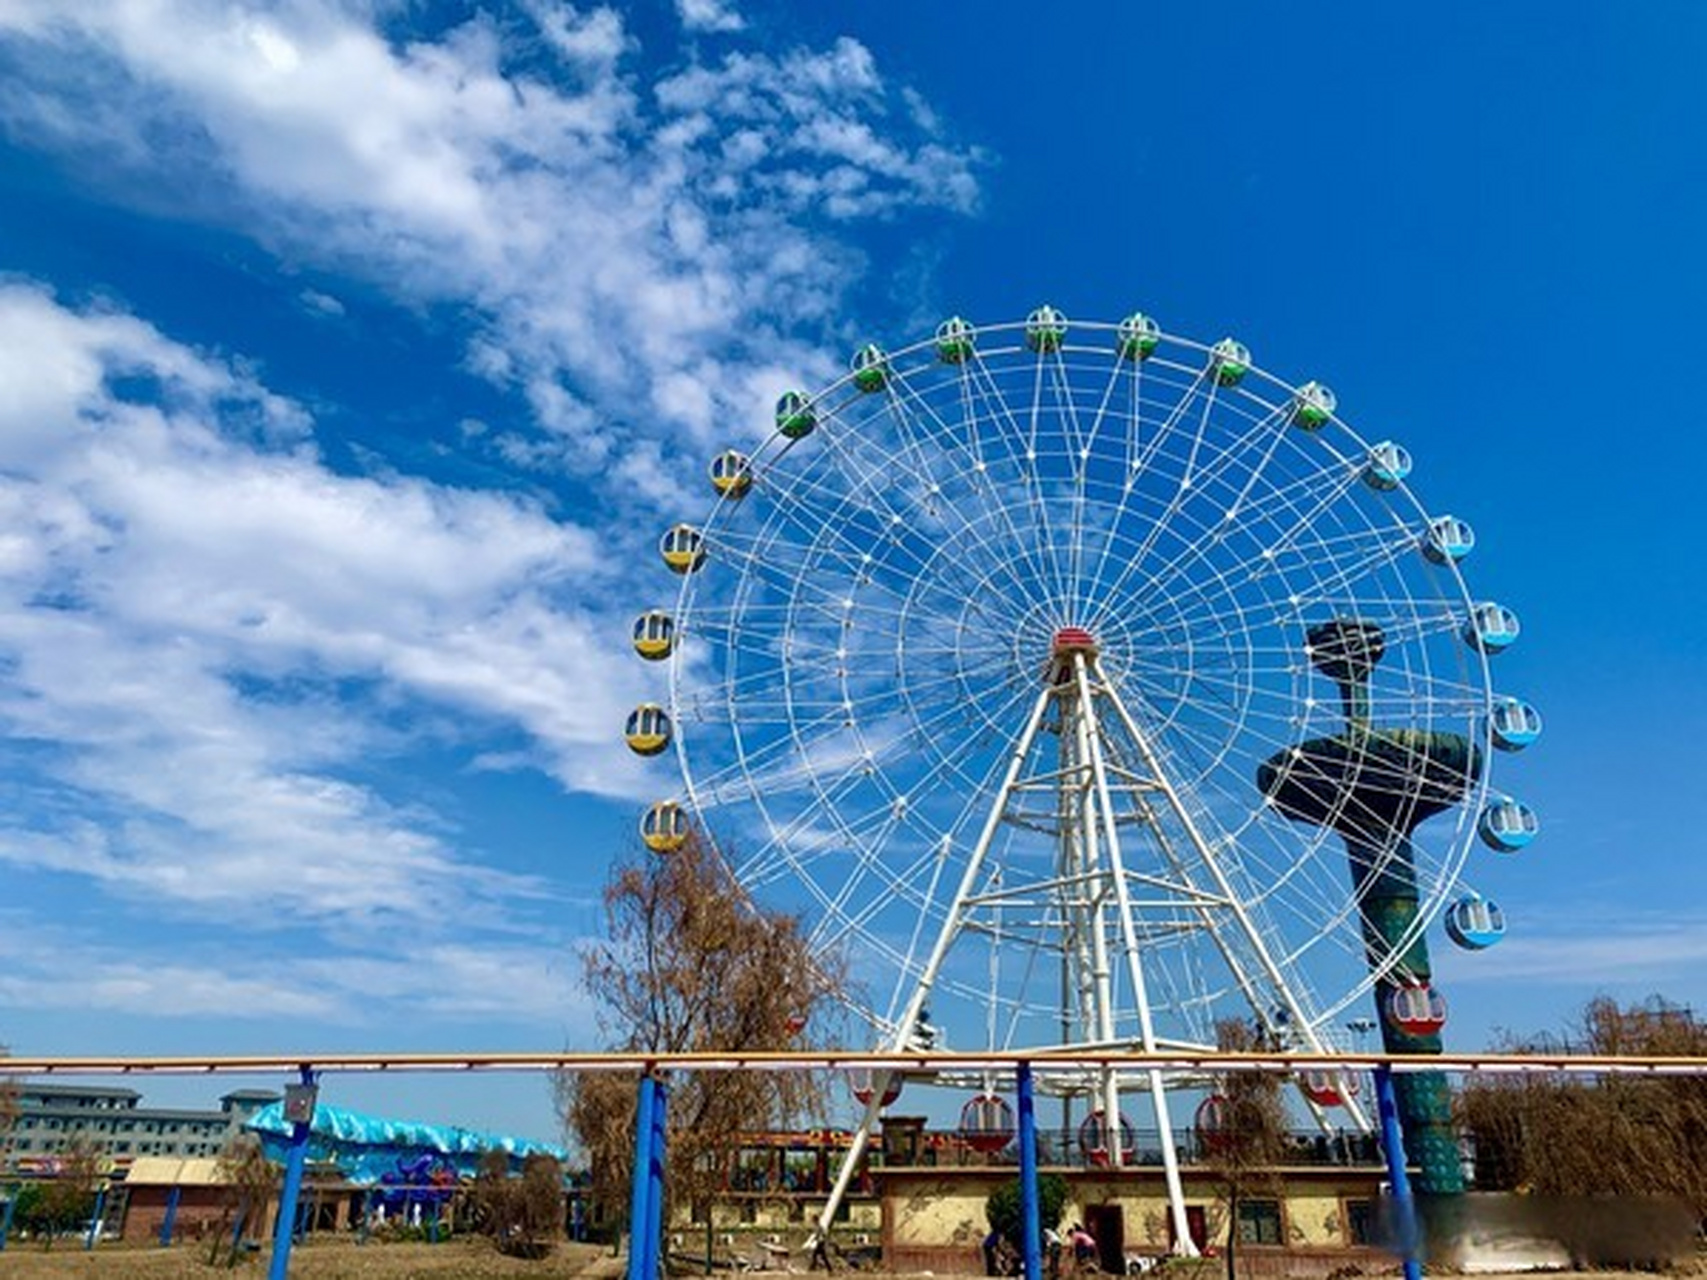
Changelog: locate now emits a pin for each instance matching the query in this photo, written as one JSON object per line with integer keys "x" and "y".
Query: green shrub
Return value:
{"x": 1002, "y": 1208}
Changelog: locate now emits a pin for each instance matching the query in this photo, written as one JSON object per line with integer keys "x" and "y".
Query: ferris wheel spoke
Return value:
{"x": 1000, "y": 413}
{"x": 911, "y": 407}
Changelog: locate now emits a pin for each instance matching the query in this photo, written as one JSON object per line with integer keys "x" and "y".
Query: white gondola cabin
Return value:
{"x": 1416, "y": 1009}
{"x": 987, "y": 1122}
{"x": 870, "y": 368}
{"x": 954, "y": 339}
{"x": 795, "y": 417}
{"x": 1387, "y": 465}
{"x": 1475, "y": 923}
{"x": 1044, "y": 329}
{"x": 1312, "y": 406}
{"x": 683, "y": 548}
{"x": 654, "y": 635}
{"x": 1514, "y": 724}
{"x": 1138, "y": 337}
{"x": 1229, "y": 362}
{"x": 1508, "y": 825}
{"x": 648, "y": 729}
{"x": 1447, "y": 540}
{"x": 664, "y": 827}
{"x": 1491, "y": 627}
{"x": 731, "y": 474}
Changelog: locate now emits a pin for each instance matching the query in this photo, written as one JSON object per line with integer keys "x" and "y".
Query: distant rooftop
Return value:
{"x": 56, "y": 1090}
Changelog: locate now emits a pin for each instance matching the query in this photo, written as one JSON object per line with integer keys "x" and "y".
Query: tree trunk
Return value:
{"x": 1232, "y": 1231}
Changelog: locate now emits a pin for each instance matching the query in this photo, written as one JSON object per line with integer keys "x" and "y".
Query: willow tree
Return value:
{"x": 691, "y": 964}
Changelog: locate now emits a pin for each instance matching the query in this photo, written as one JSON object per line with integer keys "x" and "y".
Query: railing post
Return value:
{"x": 1031, "y": 1235}
{"x": 1393, "y": 1143}
{"x": 655, "y": 1175}
{"x": 640, "y": 1199}
{"x": 95, "y": 1220}
{"x": 299, "y": 1106}
{"x": 169, "y": 1223}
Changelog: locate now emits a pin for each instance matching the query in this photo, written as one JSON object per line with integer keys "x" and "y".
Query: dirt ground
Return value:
{"x": 313, "y": 1260}
{"x": 345, "y": 1260}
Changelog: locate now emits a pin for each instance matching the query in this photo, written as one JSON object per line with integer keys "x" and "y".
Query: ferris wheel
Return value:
{"x": 1090, "y": 677}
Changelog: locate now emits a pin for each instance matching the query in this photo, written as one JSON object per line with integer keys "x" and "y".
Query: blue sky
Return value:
{"x": 351, "y": 356}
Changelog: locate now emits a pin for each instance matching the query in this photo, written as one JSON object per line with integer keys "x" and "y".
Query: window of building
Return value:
{"x": 799, "y": 1171}
{"x": 752, "y": 1170}
{"x": 1259, "y": 1222}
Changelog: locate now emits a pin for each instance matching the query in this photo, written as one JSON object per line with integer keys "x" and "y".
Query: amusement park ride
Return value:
{"x": 1091, "y": 677}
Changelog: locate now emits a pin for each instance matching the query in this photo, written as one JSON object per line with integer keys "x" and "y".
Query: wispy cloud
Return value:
{"x": 209, "y": 632}
{"x": 641, "y": 253}
{"x": 514, "y": 984}
{"x": 1576, "y": 944}
{"x": 186, "y": 592}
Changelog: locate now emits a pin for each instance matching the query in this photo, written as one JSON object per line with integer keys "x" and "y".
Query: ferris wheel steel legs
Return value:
{"x": 1084, "y": 781}
{"x": 1300, "y": 1021}
{"x": 1129, "y": 938}
{"x": 933, "y": 965}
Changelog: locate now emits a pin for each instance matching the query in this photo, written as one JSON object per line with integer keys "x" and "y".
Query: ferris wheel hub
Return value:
{"x": 1072, "y": 640}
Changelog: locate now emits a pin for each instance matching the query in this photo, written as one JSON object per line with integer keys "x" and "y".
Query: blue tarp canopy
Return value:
{"x": 370, "y": 1149}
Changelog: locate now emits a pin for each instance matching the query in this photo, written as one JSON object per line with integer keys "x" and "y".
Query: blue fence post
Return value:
{"x": 1031, "y": 1235}
{"x": 639, "y": 1205}
{"x": 1393, "y": 1144}
{"x": 169, "y": 1223}
{"x": 299, "y": 1106}
{"x": 95, "y": 1220}
{"x": 6, "y": 1213}
{"x": 655, "y": 1175}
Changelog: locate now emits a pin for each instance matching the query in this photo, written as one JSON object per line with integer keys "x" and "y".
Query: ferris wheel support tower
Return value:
{"x": 1102, "y": 777}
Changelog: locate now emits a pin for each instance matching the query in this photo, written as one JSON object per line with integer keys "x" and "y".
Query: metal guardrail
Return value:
{"x": 912, "y": 1065}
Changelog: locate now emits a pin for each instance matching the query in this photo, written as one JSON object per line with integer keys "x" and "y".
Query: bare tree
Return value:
{"x": 68, "y": 1198}
{"x": 1615, "y": 1135}
{"x": 522, "y": 1214}
{"x": 1246, "y": 1138}
{"x": 690, "y": 964}
{"x": 251, "y": 1180}
{"x": 9, "y": 1109}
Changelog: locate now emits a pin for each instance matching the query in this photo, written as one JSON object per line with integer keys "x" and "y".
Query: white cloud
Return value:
{"x": 515, "y": 984}
{"x": 709, "y": 15}
{"x": 1580, "y": 945}
{"x": 183, "y": 585}
{"x": 613, "y": 234}
{"x": 207, "y": 630}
